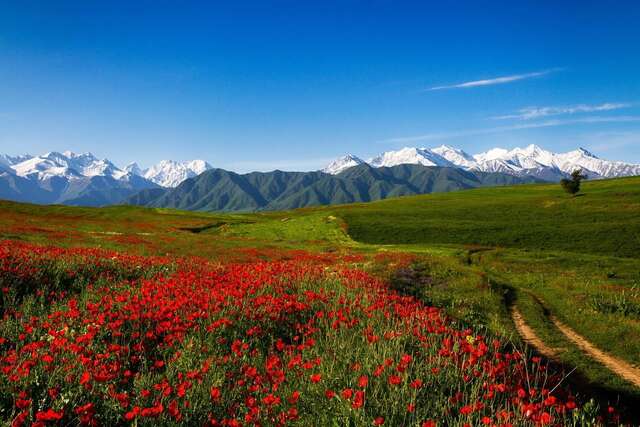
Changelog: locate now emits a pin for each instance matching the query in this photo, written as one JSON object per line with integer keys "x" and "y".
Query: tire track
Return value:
{"x": 616, "y": 365}
{"x": 529, "y": 336}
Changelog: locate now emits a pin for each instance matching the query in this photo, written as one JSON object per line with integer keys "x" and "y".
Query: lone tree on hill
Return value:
{"x": 572, "y": 186}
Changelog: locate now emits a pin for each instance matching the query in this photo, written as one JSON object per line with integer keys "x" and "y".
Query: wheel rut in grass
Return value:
{"x": 529, "y": 336}
{"x": 618, "y": 366}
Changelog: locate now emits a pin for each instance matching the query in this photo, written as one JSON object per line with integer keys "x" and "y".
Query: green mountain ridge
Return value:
{"x": 221, "y": 190}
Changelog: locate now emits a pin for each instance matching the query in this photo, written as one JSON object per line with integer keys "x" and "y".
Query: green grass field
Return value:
{"x": 576, "y": 254}
{"x": 604, "y": 219}
{"x": 473, "y": 252}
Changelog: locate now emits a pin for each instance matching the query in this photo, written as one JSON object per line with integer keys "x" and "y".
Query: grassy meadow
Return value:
{"x": 577, "y": 255}
{"x": 602, "y": 220}
{"x": 473, "y": 253}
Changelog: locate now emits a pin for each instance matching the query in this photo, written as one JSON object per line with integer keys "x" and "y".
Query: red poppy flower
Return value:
{"x": 363, "y": 381}
{"x": 49, "y": 415}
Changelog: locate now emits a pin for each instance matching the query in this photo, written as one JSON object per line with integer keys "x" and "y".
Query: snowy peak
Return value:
{"x": 46, "y": 166}
{"x": 523, "y": 160}
{"x": 540, "y": 162}
{"x": 169, "y": 173}
{"x": 133, "y": 169}
{"x": 67, "y": 165}
{"x": 493, "y": 154}
{"x": 70, "y": 165}
{"x": 531, "y": 160}
{"x": 342, "y": 163}
{"x": 455, "y": 155}
{"x": 518, "y": 159}
{"x": 198, "y": 166}
{"x": 586, "y": 153}
{"x": 529, "y": 157}
{"x": 408, "y": 155}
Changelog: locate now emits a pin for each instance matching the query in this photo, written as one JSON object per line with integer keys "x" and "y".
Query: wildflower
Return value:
{"x": 271, "y": 400}
{"x": 466, "y": 410}
{"x": 49, "y": 415}
{"x": 294, "y": 397}
{"x": 417, "y": 383}
{"x": 347, "y": 393}
{"x": 215, "y": 393}
{"x": 132, "y": 414}
{"x": 363, "y": 381}
{"x": 546, "y": 418}
{"x": 394, "y": 379}
{"x": 153, "y": 411}
{"x": 173, "y": 410}
{"x": 358, "y": 400}
{"x": 84, "y": 378}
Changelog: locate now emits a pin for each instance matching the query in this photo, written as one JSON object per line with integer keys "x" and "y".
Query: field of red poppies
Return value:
{"x": 94, "y": 337}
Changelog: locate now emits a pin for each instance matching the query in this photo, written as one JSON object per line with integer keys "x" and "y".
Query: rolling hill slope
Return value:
{"x": 605, "y": 219}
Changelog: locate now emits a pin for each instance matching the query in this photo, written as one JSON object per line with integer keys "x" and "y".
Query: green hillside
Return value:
{"x": 604, "y": 219}
{"x": 220, "y": 190}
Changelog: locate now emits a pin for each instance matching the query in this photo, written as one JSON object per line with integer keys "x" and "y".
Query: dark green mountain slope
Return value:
{"x": 143, "y": 197}
{"x": 220, "y": 190}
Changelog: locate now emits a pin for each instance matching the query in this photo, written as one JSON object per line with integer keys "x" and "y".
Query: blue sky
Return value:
{"x": 289, "y": 84}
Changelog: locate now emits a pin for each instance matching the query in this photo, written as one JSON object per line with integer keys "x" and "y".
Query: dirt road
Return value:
{"x": 529, "y": 336}
{"x": 619, "y": 366}
{"x": 616, "y": 365}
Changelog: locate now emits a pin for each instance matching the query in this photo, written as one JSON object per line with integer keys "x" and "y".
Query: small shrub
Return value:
{"x": 572, "y": 186}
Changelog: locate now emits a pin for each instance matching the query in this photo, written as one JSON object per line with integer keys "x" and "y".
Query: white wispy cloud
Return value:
{"x": 529, "y": 113}
{"x": 495, "y": 80}
{"x": 498, "y": 129}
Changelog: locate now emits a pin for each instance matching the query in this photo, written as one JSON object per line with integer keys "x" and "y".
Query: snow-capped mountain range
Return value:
{"x": 169, "y": 173}
{"x": 83, "y": 179}
{"x": 69, "y": 165}
{"x": 66, "y": 165}
{"x": 529, "y": 161}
